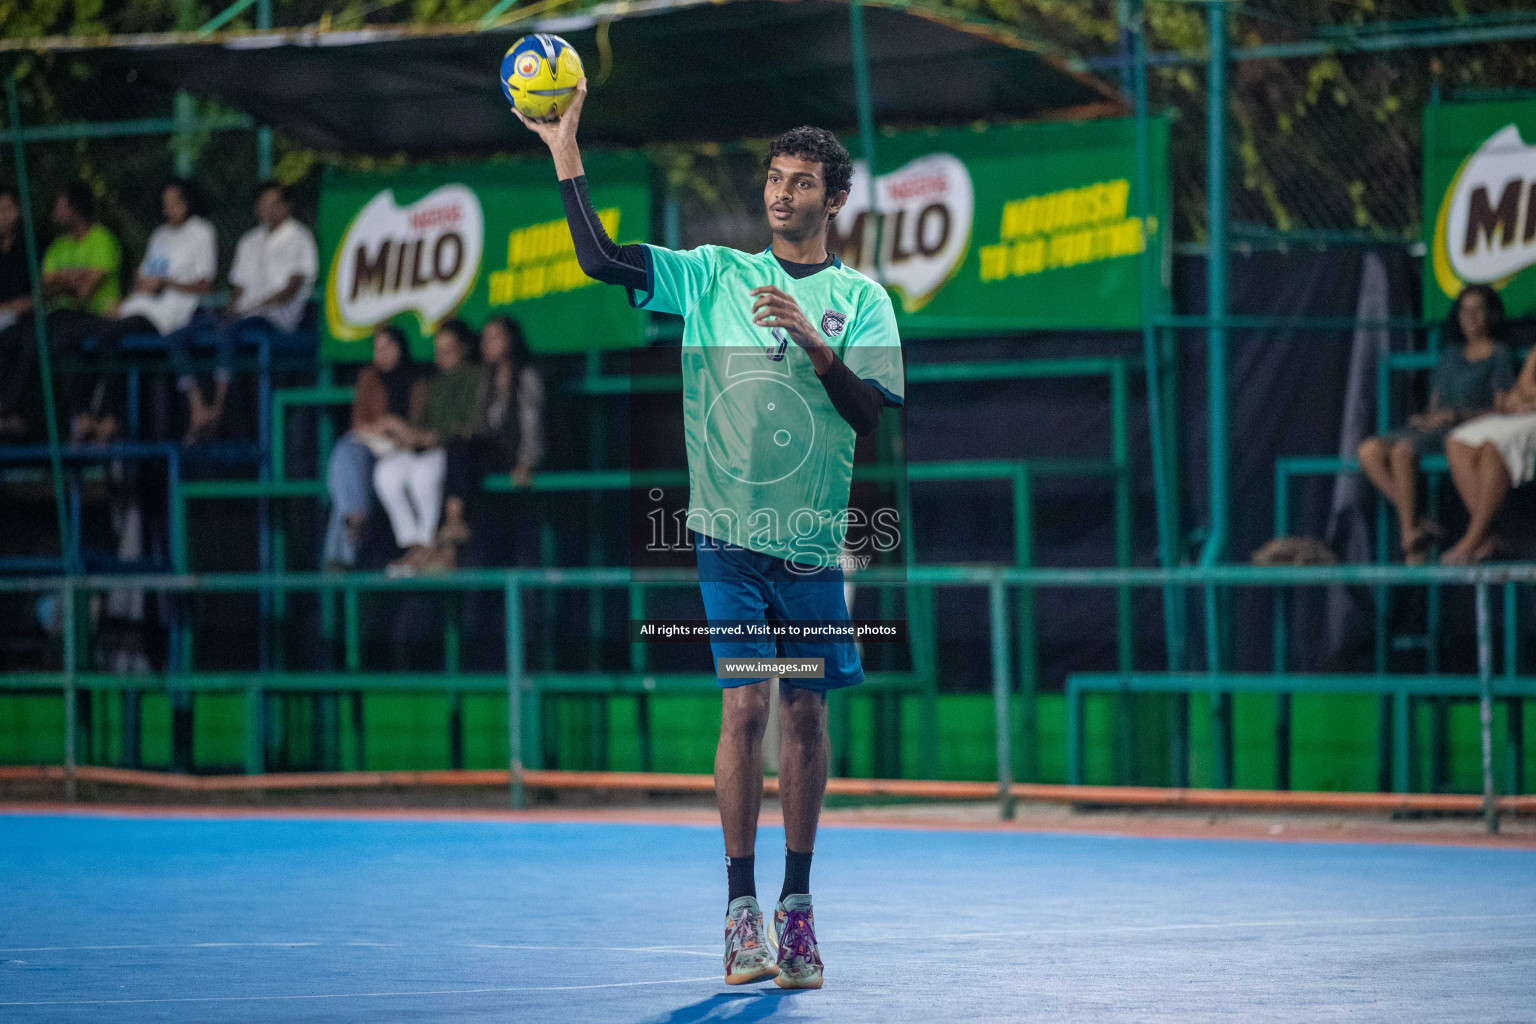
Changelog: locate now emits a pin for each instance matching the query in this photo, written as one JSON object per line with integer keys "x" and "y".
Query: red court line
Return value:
{"x": 1150, "y": 829}
{"x": 1134, "y": 797}
{"x": 1129, "y": 796}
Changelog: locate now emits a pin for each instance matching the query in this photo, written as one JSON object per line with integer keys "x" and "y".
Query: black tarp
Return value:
{"x": 1286, "y": 397}
{"x": 680, "y": 70}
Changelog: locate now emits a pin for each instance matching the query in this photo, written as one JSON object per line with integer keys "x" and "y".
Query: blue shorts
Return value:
{"x": 741, "y": 585}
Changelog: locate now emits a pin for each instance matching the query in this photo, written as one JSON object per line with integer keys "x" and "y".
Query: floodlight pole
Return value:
{"x": 264, "y": 133}
{"x": 1216, "y": 277}
{"x": 55, "y": 460}
{"x": 39, "y": 318}
{"x": 1216, "y": 366}
{"x": 1134, "y": 28}
{"x": 1485, "y": 703}
{"x": 1129, "y": 13}
{"x": 183, "y": 106}
{"x": 866, "y": 110}
{"x": 513, "y": 595}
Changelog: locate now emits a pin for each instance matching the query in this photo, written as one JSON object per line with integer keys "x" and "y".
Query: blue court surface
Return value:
{"x": 352, "y": 920}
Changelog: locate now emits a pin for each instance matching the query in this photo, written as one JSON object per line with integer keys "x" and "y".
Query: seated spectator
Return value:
{"x": 80, "y": 285}
{"x": 80, "y": 267}
{"x": 509, "y": 432}
{"x": 270, "y": 283}
{"x": 1489, "y": 456}
{"x": 410, "y": 482}
{"x": 387, "y": 392}
{"x": 1475, "y": 368}
{"x": 15, "y": 303}
{"x": 178, "y": 267}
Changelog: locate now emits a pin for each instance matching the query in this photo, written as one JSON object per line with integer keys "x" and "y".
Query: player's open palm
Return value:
{"x": 560, "y": 133}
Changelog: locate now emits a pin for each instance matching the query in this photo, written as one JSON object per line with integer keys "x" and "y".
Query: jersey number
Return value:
{"x": 781, "y": 336}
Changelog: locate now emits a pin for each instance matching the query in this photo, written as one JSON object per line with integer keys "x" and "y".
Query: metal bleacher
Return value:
{"x": 141, "y": 356}
{"x": 1399, "y": 694}
{"x": 340, "y": 625}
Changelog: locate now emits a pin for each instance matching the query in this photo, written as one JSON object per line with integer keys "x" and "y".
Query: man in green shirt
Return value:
{"x": 787, "y": 356}
{"x": 81, "y": 271}
{"x": 82, "y": 266}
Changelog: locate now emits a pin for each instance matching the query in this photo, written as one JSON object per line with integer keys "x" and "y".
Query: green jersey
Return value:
{"x": 770, "y": 460}
{"x": 97, "y": 250}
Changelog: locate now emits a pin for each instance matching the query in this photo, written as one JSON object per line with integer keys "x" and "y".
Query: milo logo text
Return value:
{"x": 1485, "y": 231}
{"x": 925, "y": 209}
{"x": 421, "y": 258}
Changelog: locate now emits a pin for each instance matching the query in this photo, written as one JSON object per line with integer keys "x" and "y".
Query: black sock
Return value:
{"x": 797, "y": 874}
{"x": 741, "y": 875}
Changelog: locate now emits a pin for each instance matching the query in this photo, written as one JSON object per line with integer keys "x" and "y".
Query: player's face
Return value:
{"x": 795, "y": 197}
{"x": 10, "y": 213}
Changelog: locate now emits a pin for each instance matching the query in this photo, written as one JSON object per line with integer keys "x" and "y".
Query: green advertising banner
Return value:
{"x": 416, "y": 247}
{"x": 1480, "y": 203}
{"x": 1010, "y": 228}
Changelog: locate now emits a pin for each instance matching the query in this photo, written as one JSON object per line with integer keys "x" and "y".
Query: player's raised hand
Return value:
{"x": 559, "y": 134}
{"x": 774, "y": 308}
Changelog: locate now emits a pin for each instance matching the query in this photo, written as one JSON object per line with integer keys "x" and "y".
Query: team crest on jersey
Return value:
{"x": 833, "y": 322}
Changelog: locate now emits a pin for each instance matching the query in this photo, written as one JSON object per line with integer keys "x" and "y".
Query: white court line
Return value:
{"x": 1016, "y": 933}
{"x": 351, "y": 944}
{"x": 170, "y": 945}
{"x": 598, "y": 949}
{"x": 1196, "y": 926}
{"x": 362, "y": 995}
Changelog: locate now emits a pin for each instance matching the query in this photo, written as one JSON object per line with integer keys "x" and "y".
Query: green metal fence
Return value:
{"x": 1159, "y": 55}
{"x": 526, "y": 689}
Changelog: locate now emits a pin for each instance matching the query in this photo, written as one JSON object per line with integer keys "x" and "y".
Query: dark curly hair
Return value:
{"x": 820, "y": 145}
{"x": 1493, "y": 303}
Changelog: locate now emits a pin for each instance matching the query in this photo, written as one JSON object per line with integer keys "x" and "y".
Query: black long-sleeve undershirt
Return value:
{"x": 600, "y": 257}
{"x": 856, "y": 400}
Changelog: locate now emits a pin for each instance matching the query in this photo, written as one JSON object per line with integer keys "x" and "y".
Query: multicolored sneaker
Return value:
{"x": 794, "y": 931}
{"x": 748, "y": 954}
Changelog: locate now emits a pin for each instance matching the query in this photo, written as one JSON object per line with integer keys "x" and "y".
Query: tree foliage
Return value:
{"x": 1326, "y": 143}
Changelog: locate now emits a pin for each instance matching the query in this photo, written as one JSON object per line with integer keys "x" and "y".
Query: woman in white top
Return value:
{"x": 388, "y": 394}
{"x": 177, "y": 270}
{"x": 1489, "y": 456}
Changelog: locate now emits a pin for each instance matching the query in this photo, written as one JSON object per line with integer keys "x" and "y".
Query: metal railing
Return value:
{"x": 523, "y": 688}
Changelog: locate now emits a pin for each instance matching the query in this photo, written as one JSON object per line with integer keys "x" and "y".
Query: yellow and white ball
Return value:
{"x": 539, "y": 76}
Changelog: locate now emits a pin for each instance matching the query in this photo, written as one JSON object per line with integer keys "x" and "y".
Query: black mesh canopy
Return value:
{"x": 660, "y": 71}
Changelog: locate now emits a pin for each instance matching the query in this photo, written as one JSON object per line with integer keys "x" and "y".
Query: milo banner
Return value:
{"x": 419, "y": 246}
{"x": 1480, "y": 203}
{"x": 1009, "y": 228}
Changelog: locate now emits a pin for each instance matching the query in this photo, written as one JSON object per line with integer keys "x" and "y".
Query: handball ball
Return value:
{"x": 539, "y": 76}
